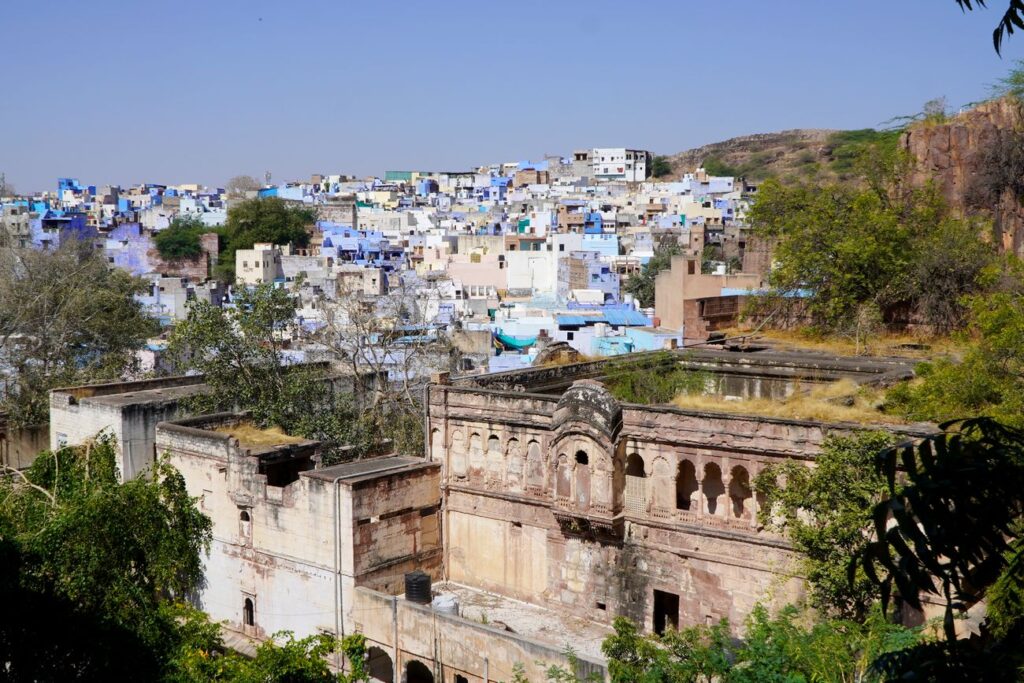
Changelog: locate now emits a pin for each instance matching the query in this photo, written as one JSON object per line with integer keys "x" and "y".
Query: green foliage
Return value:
{"x": 1012, "y": 84}
{"x": 99, "y": 552}
{"x": 786, "y": 647}
{"x": 239, "y": 351}
{"x": 824, "y": 511}
{"x": 949, "y": 528}
{"x": 660, "y": 167}
{"x": 653, "y": 379}
{"x": 65, "y": 318}
{"x": 199, "y": 656}
{"x": 265, "y": 219}
{"x": 883, "y": 245}
{"x": 1013, "y": 17}
{"x": 989, "y": 380}
{"x": 642, "y": 285}
{"x": 850, "y": 146}
{"x": 716, "y": 167}
{"x": 180, "y": 240}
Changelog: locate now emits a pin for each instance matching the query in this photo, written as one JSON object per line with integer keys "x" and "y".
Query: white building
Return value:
{"x": 619, "y": 163}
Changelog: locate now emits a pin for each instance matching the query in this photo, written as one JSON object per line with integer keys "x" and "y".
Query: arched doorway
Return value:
{"x": 713, "y": 488}
{"x": 417, "y": 672}
{"x": 686, "y": 486}
{"x": 378, "y": 665}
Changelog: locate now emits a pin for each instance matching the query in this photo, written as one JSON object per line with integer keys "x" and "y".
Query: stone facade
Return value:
{"x": 569, "y": 499}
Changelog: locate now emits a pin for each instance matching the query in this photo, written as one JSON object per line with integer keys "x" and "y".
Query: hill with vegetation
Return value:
{"x": 810, "y": 155}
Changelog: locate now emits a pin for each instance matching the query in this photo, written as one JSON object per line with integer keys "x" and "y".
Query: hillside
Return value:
{"x": 801, "y": 154}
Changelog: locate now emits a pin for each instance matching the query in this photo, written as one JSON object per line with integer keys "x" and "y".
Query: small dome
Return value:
{"x": 589, "y": 402}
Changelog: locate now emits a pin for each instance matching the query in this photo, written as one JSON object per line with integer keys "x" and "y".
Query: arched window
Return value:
{"x": 635, "y": 466}
{"x": 534, "y": 465}
{"x": 476, "y": 452}
{"x": 244, "y": 516}
{"x": 248, "y": 613}
{"x": 713, "y": 487}
{"x": 582, "y": 479}
{"x": 740, "y": 494}
{"x": 513, "y": 465}
{"x": 686, "y": 486}
{"x": 636, "y": 485}
{"x": 457, "y": 455}
{"x": 494, "y": 459}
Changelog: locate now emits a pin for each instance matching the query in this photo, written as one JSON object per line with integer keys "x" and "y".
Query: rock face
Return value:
{"x": 951, "y": 154}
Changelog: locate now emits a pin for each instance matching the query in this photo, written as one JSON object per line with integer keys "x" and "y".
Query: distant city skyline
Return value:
{"x": 121, "y": 93}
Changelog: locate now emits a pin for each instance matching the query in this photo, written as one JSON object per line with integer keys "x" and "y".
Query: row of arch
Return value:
{"x": 583, "y": 477}
{"x": 710, "y": 492}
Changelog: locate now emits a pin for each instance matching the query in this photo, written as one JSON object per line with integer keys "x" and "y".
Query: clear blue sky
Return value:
{"x": 113, "y": 91}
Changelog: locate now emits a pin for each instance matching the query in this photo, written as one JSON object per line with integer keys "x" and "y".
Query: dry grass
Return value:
{"x": 882, "y": 345}
{"x": 250, "y": 435}
{"x": 823, "y": 402}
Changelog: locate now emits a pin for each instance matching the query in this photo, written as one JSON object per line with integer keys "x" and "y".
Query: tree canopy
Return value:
{"x": 180, "y": 240}
{"x": 264, "y": 219}
{"x": 840, "y": 250}
{"x": 65, "y": 318}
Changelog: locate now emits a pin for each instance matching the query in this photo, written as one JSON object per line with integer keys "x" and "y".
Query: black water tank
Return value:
{"x": 417, "y": 587}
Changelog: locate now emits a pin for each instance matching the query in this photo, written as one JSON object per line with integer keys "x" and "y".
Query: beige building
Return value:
{"x": 684, "y": 282}
{"x": 328, "y": 550}
{"x": 260, "y": 264}
{"x": 557, "y": 494}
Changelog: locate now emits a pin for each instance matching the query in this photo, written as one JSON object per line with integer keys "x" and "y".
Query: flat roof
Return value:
{"x": 146, "y": 396}
{"x": 368, "y": 468}
{"x": 542, "y": 624}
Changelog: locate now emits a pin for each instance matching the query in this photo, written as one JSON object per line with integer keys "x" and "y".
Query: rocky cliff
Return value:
{"x": 955, "y": 154}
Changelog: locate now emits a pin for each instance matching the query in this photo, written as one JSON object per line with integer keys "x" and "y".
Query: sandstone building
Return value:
{"x": 544, "y": 508}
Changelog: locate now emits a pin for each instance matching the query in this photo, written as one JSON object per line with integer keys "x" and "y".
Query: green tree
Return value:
{"x": 180, "y": 240}
{"x": 101, "y": 553}
{"x": 65, "y": 318}
{"x": 988, "y": 380}
{"x": 641, "y": 285}
{"x": 263, "y": 220}
{"x": 239, "y": 350}
{"x": 950, "y": 528}
{"x": 884, "y": 245}
{"x": 824, "y": 511}
{"x": 790, "y": 646}
{"x": 660, "y": 166}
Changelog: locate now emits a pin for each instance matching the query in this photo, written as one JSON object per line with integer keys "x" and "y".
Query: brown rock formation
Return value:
{"x": 952, "y": 154}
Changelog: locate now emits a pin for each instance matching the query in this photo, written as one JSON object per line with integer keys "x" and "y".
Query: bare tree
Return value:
{"x": 242, "y": 184}
{"x": 388, "y": 336}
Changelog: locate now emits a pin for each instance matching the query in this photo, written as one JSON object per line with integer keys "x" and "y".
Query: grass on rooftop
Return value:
{"x": 249, "y": 434}
{"x": 839, "y": 401}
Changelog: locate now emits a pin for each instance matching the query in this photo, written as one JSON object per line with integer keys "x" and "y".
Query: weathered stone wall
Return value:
{"x": 450, "y": 645}
{"x": 582, "y": 505}
{"x": 297, "y": 551}
{"x": 19, "y": 447}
